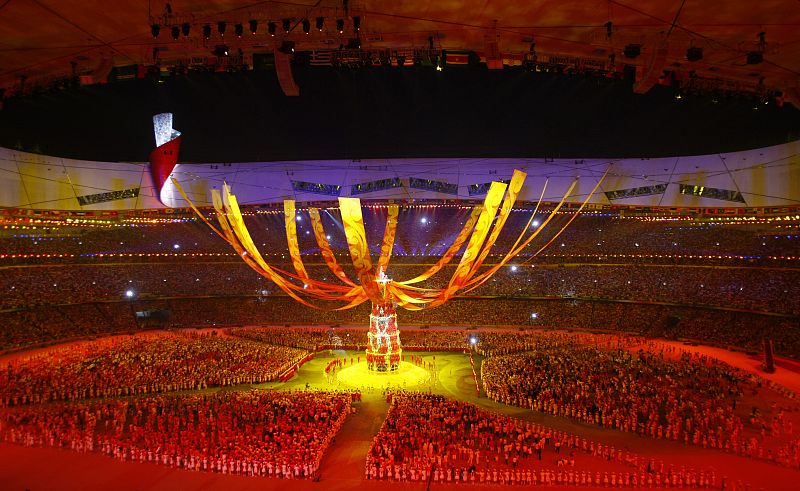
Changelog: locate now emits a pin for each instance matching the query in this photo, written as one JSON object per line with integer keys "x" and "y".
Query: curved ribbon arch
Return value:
{"x": 478, "y": 233}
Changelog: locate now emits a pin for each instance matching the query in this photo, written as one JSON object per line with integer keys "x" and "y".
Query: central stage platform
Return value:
{"x": 407, "y": 375}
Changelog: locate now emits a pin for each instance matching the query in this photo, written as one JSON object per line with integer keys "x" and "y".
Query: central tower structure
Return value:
{"x": 383, "y": 348}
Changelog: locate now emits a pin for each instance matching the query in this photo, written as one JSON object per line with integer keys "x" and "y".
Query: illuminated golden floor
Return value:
{"x": 407, "y": 375}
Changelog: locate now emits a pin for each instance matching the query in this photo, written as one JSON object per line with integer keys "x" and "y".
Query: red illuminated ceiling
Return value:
{"x": 45, "y": 38}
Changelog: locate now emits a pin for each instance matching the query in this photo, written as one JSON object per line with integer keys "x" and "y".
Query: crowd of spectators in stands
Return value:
{"x": 256, "y": 433}
{"x": 686, "y": 398}
{"x": 605, "y": 261}
{"x": 756, "y": 289}
{"x": 53, "y": 324}
{"x": 428, "y": 232}
{"x": 729, "y": 329}
{"x": 143, "y": 364}
{"x": 430, "y": 438}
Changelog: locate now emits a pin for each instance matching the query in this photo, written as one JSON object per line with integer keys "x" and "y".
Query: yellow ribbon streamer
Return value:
{"x": 481, "y": 280}
{"x": 388, "y": 238}
{"x": 353, "y": 221}
{"x": 451, "y": 251}
{"x": 290, "y": 223}
{"x": 514, "y": 188}
{"x": 573, "y": 217}
{"x": 483, "y": 277}
{"x": 463, "y": 270}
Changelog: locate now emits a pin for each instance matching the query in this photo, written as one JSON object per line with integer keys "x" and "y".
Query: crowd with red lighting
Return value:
{"x": 731, "y": 285}
{"x": 680, "y": 397}
{"x": 140, "y": 365}
{"x": 256, "y": 433}
{"x": 430, "y": 438}
{"x": 602, "y": 379}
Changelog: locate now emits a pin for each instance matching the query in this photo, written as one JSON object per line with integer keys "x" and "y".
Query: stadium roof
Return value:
{"x": 542, "y": 82}
{"x": 44, "y": 37}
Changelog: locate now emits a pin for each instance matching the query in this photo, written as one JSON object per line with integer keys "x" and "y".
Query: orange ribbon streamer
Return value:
{"x": 483, "y": 277}
{"x": 290, "y": 223}
{"x": 231, "y": 221}
{"x": 481, "y": 280}
{"x": 325, "y": 248}
{"x": 234, "y": 231}
{"x": 451, "y": 251}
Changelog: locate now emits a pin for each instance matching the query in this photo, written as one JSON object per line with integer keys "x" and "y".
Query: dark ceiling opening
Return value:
{"x": 390, "y": 112}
